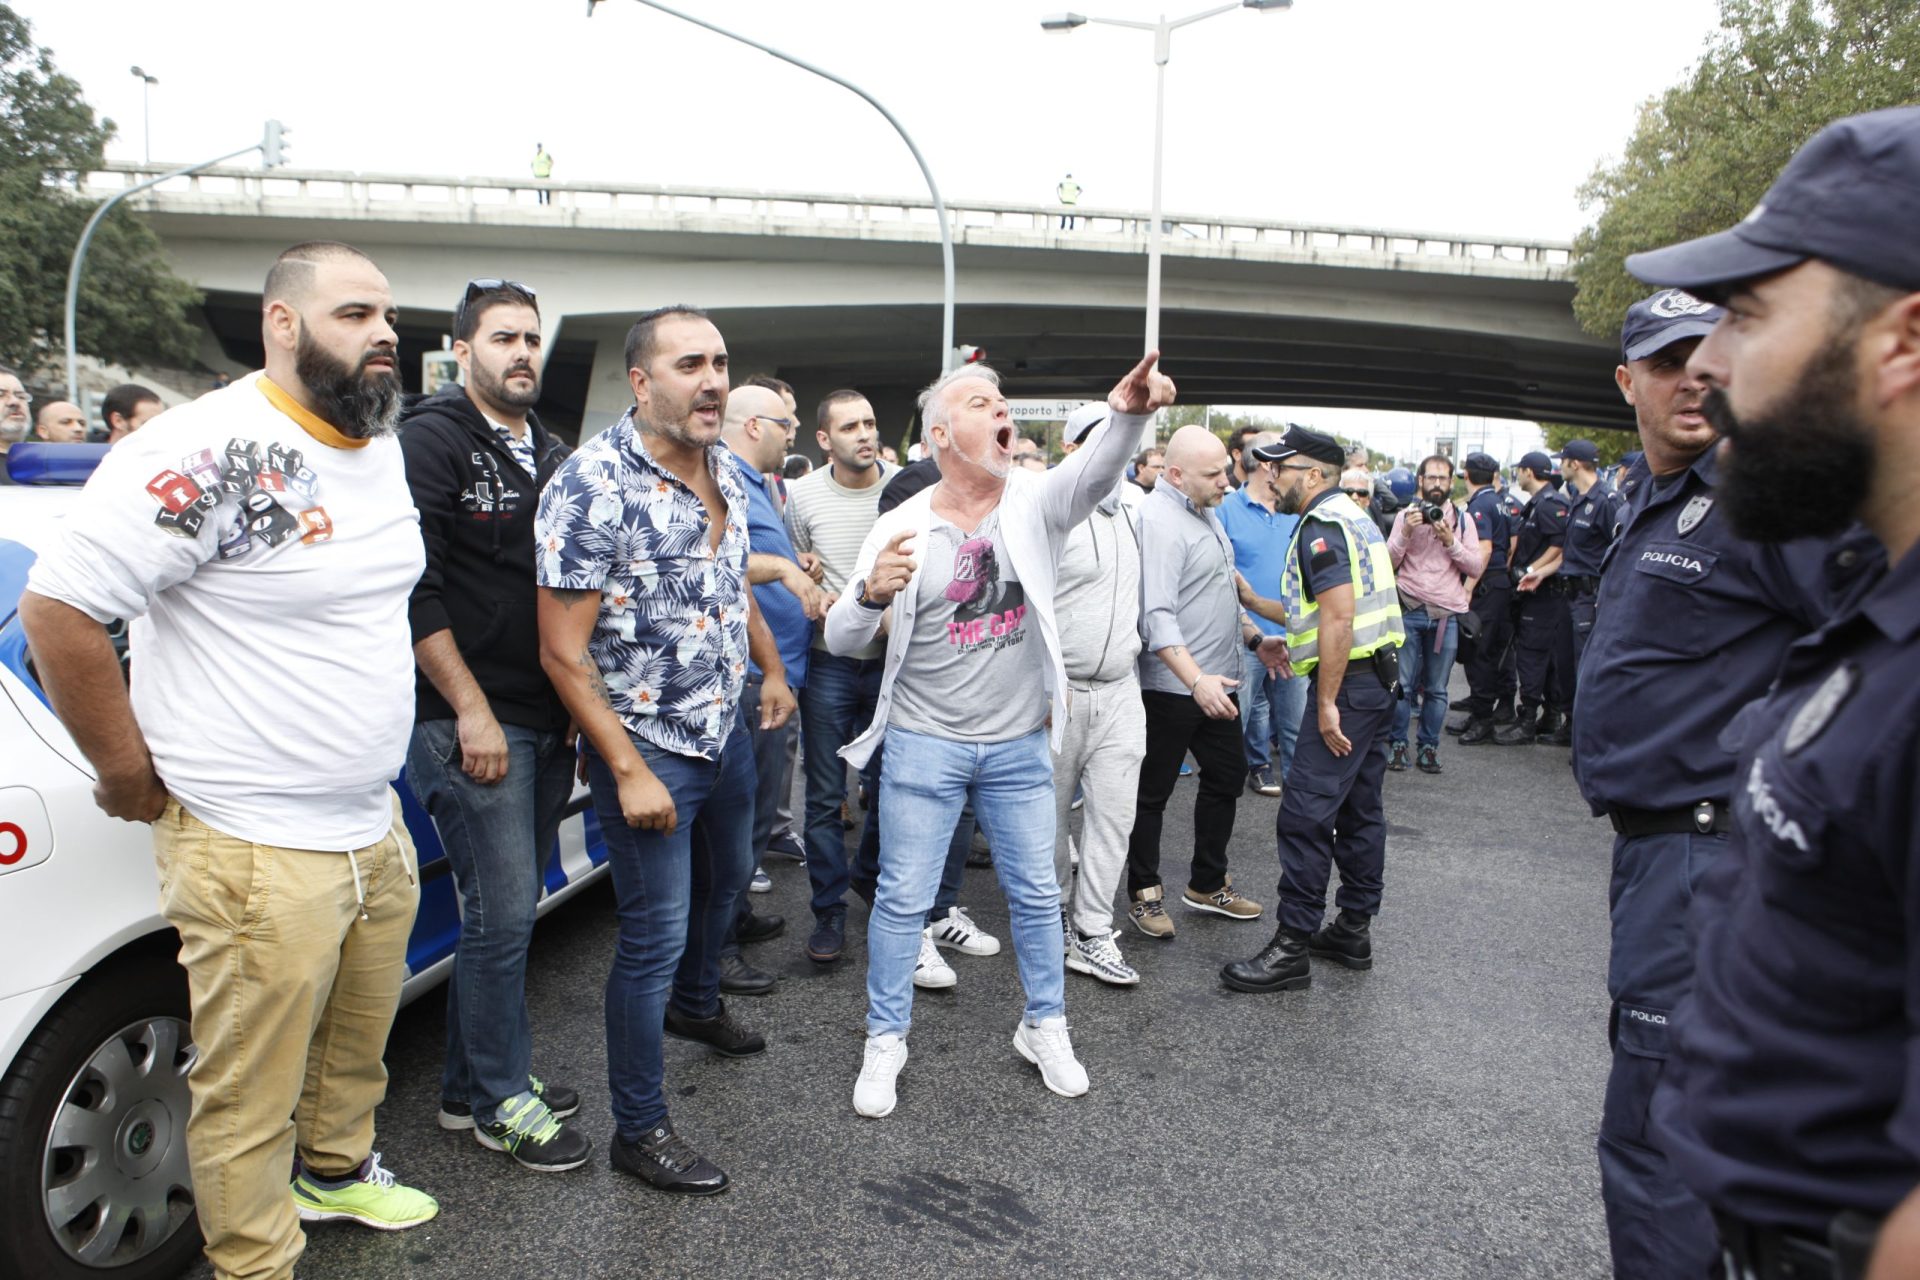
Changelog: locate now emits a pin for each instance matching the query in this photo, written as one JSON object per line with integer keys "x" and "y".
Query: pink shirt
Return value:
{"x": 1429, "y": 572}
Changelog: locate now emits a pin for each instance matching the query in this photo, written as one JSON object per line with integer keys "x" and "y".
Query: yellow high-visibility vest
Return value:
{"x": 1376, "y": 604}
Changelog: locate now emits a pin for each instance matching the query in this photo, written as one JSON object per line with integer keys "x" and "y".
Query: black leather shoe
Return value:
{"x": 759, "y": 928}
{"x": 1502, "y": 713}
{"x": 1478, "y": 731}
{"x": 1345, "y": 941}
{"x": 1457, "y": 722}
{"x": 664, "y": 1160}
{"x": 1560, "y": 733}
{"x": 738, "y": 978}
{"x": 720, "y": 1033}
{"x": 829, "y": 935}
{"x": 1282, "y": 966}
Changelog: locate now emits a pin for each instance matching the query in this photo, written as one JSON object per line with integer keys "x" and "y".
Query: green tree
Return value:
{"x": 131, "y": 306}
{"x": 1705, "y": 151}
{"x": 1612, "y": 443}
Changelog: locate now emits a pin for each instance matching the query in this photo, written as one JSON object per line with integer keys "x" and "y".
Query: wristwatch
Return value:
{"x": 1253, "y": 642}
{"x": 860, "y": 598}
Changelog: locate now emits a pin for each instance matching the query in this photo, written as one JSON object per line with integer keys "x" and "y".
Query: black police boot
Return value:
{"x": 1522, "y": 732}
{"x": 1503, "y": 712}
{"x": 1477, "y": 732}
{"x": 756, "y": 928}
{"x": 1457, "y": 722}
{"x": 1345, "y": 941}
{"x": 1561, "y": 734}
{"x": 1282, "y": 966}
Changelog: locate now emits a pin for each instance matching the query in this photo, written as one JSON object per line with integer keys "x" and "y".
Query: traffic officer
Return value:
{"x": 1546, "y": 687}
{"x": 1343, "y": 629}
{"x": 1489, "y": 682}
{"x": 1594, "y": 517}
{"x": 1691, "y": 622}
{"x": 1794, "y": 1107}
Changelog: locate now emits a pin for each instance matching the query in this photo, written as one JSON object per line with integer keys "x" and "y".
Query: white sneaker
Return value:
{"x": 932, "y": 972}
{"x": 873, "y": 1093}
{"x": 957, "y": 930}
{"x": 1048, "y": 1048}
{"x": 1099, "y": 957}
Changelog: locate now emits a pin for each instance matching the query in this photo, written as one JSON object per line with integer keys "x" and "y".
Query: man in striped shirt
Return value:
{"x": 829, "y": 513}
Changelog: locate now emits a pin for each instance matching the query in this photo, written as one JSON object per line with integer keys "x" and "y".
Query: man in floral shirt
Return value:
{"x": 645, "y": 626}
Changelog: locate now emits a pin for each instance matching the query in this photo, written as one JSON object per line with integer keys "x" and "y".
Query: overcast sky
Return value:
{"x": 1470, "y": 116}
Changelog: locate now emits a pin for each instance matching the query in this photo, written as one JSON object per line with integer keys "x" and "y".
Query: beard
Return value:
{"x": 13, "y": 430}
{"x": 358, "y": 404}
{"x": 499, "y": 392}
{"x": 1795, "y": 469}
{"x": 998, "y": 468}
{"x": 1436, "y": 496}
{"x": 677, "y": 426}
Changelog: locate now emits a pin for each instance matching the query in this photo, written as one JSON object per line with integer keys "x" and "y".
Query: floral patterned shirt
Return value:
{"x": 671, "y": 638}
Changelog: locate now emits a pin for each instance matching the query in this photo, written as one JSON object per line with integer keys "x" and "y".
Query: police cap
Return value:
{"x": 1481, "y": 462}
{"x": 1669, "y": 316}
{"x": 1305, "y": 441}
{"x": 1538, "y": 463}
{"x": 1581, "y": 451}
{"x": 1850, "y": 197}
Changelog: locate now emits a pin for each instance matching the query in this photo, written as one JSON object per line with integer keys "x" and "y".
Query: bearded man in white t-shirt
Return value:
{"x": 264, "y": 543}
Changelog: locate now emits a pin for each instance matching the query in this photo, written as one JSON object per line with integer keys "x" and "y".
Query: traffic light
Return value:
{"x": 274, "y": 149}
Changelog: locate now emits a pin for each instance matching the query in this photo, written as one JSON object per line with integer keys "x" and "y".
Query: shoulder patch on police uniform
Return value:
{"x": 1817, "y": 712}
{"x": 1694, "y": 512}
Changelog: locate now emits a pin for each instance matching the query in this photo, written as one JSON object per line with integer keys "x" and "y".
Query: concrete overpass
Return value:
{"x": 829, "y": 290}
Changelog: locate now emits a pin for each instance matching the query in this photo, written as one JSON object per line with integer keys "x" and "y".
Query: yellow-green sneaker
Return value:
{"x": 373, "y": 1199}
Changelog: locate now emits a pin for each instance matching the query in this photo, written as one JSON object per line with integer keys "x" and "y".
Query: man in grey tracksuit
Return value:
{"x": 1098, "y": 606}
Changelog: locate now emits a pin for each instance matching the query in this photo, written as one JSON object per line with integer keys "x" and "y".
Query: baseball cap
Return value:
{"x": 1669, "y": 316}
{"x": 1581, "y": 451}
{"x": 1082, "y": 421}
{"x": 1850, "y": 197}
{"x": 1538, "y": 463}
{"x": 1481, "y": 462}
{"x": 1317, "y": 445}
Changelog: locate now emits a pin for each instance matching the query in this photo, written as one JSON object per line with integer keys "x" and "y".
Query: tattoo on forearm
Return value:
{"x": 594, "y": 681}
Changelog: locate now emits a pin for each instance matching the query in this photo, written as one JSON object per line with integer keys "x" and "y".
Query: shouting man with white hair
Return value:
{"x": 964, "y": 573}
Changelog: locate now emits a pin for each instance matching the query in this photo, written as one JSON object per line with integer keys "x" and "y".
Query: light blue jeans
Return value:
{"x": 1424, "y": 668}
{"x": 1270, "y": 714}
{"x": 924, "y": 783}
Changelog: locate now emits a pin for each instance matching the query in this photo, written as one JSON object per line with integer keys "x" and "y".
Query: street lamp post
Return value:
{"x": 933, "y": 189}
{"x": 270, "y": 137}
{"x": 146, "y": 107}
{"x": 1162, "y": 40}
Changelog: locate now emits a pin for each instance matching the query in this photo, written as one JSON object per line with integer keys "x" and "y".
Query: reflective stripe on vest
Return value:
{"x": 1376, "y": 604}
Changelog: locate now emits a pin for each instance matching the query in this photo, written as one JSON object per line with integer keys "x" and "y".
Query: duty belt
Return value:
{"x": 1753, "y": 1252}
{"x": 1581, "y": 583}
{"x": 1708, "y": 818}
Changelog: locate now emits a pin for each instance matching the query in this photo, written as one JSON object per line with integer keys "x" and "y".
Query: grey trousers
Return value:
{"x": 1100, "y": 751}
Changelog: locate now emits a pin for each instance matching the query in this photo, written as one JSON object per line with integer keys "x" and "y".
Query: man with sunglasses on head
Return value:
{"x": 492, "y": 756}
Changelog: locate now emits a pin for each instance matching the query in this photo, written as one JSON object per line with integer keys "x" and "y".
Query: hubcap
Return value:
{"x": 115, "y": 1180}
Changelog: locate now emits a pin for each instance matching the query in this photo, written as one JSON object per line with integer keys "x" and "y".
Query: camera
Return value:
{"x": 1433, "y": 512}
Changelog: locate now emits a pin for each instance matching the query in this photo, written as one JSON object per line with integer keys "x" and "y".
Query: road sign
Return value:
{"x": 1042, "y": 410}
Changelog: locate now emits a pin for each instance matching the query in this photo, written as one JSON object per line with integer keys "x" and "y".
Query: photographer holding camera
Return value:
{"x": 1436, "y": 553}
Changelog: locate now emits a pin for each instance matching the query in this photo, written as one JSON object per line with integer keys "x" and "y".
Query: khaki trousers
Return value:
{"x": 295, "y": 973}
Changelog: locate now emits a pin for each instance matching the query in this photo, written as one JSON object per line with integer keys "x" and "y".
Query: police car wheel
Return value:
{"x": 93, "y": 1139}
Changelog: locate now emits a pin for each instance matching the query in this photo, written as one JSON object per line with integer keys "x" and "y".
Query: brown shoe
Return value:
{"x": 1148, "y": 915}
{"x": 1224, "y": 901}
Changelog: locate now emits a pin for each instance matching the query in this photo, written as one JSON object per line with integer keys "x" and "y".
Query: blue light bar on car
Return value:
{"x": 37, "y": 462}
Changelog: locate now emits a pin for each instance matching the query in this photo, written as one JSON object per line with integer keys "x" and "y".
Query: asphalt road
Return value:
{"x": 1433, "y": 1117}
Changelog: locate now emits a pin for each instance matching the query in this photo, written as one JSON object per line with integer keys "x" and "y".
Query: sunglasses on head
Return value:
{"x": 482, "y": 287}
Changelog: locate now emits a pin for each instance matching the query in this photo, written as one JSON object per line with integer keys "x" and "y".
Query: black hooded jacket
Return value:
{"x": 477, "y": 510}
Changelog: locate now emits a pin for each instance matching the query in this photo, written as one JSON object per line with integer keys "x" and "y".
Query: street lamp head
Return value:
{"x": 1062, "y": 21}
{"x": 1267, "y": 6}
{"x": 144, "y": 76}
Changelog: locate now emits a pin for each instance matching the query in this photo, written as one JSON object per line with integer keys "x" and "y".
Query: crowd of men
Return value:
{"x": 123, "y": 410}
{"x": 440, "y": 585}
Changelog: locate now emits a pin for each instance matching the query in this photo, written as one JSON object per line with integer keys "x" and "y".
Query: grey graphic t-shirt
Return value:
{"x": 975, "y": 665}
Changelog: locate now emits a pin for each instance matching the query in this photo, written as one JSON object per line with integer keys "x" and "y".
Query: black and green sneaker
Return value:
{"x": 457, "y": 1117}
{"x": 525, "y": 1129}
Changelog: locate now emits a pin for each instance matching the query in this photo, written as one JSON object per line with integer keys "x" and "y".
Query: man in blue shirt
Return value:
{"x": 1598, "y": 511}
{"x": 757, "y": 427}
{"x": 1484, "y": 656}
{"x": 1546, "y": 687}
{"x": 1793, "y": 1106}
{"x": 1270, "y": 705}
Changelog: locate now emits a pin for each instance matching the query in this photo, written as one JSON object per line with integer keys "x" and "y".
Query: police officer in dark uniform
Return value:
{"x": 1594, "y": 519}
{"x": 1344, "y": 630}
{"x": 1691, "y": 622}
{"x": 1546, "y": 689}
{"x": 1489, "y": 684}
{"x": 1793, "y": 1104}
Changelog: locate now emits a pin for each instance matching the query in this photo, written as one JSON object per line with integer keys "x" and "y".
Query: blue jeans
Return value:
{"x": 498, "y": 839}
{"x": 1270, "y": 712}
{"x": 865, "y": 876}
{"x": 676, "y": 896}
{"x": 1424, "y": 669}
{"x": 924, "y": 784}
{"x": 835, "y": 708}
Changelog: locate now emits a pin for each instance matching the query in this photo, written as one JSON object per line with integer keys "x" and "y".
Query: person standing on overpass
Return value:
{"x": 542, "y": 170}
{"x": 1069, "y": 193}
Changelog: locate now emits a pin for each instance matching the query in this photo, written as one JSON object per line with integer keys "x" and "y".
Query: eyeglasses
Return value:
{"x": 486, "y": 285}
{"x": 1296, "y": 466}
{"x": 1358, "y": 493}
{"x": 785, "y": 424}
